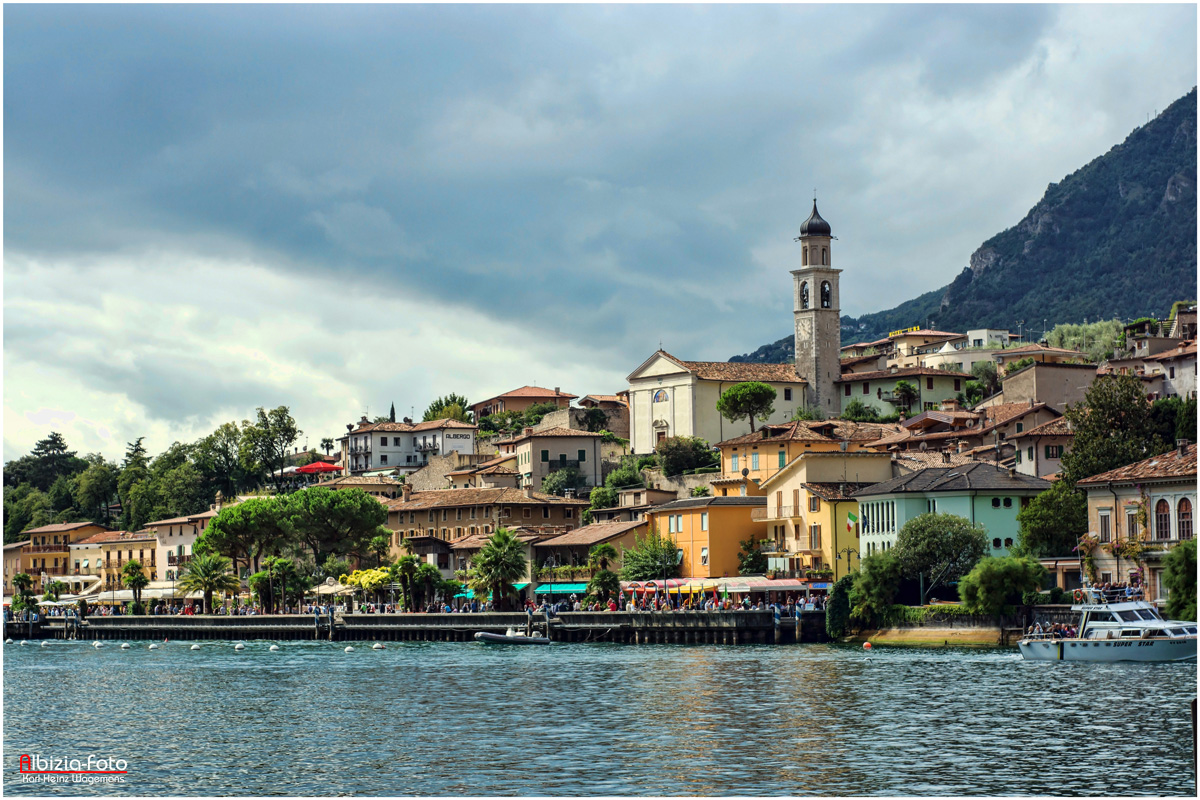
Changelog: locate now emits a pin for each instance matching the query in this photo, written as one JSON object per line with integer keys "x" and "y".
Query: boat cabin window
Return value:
{"x": 1102, "y": 616}
{"x": 1128, "y": 633}
{"x": 1127, "y": 616}
{"x": 1144, "y": 614}
{"x": 1191, "y": 629}
{"x": 1177, "y": 631}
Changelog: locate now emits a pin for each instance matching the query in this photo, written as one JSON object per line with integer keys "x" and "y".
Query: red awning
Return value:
{"x": 318, "y": 466}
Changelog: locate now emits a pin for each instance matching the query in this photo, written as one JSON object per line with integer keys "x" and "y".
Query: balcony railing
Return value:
{"x": 427, "y": 447}
{"x": 46, "y": 548}
{"x": 51, "y": 571}
{"x": 776, "y": 512}
{"x": 555, "y": 466}
{"x": 563, "y": 574}
{"x": 361, "y": 449}
{"x": 176, "y": 560}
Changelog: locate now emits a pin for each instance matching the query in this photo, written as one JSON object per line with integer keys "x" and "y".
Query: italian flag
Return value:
{"x": 851, "y": 520}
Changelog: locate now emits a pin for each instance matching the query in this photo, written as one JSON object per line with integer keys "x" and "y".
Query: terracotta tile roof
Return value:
{"x": 700, "y": 502}
{"x": 916, "y": 460}
{"x": 172, "y": 521}
{"x": 17, "y": 544}
{"x": 108, "y": 537}
{"x": 592, "y": 534}
{"x": 849, "y": 361}
{"x": 736, "y": 371}
{"x": 876, "y": 343}
{"x": 834, "y": 430}
{"x": 1055, "y": 427}
{"x": 1033, "y": 349}
{"x": 59, "y": 527}
{"x": 552, "y": 432}
{"x": 1185, "y": 349}
{"x": 360, "y": 480}
{"x": 989, "y": 418}
{"x": 835, "y": 491}
{"x": 528, "y": 391}
{"x": 449, "y": 498}
{"x": 411, "y": 427}
{"x": 497, "y": 470}
{"x": 605, "y": 398}
{"x": 969, "y": 477}
{"x": 1172, "y": 464}
{"x": 928, "y": 333}
{"x": 906, "y": 372}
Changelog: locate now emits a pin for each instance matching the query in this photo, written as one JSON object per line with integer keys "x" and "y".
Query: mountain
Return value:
{"x": 1116, "y": 238}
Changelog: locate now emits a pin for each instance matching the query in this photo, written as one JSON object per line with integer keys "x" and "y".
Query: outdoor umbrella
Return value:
{"x": 318, "y": 467}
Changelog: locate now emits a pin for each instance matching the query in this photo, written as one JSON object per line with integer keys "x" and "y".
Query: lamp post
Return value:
{"x": 848, "y": 551}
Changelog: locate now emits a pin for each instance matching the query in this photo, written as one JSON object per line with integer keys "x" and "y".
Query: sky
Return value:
{"x": 208, "y": 209}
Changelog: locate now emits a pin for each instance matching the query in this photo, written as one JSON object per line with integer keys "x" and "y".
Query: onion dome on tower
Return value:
{"x": 814, "y": 225}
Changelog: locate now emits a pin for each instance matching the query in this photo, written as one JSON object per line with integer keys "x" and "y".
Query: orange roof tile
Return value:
{"x": 1172, "y": 464}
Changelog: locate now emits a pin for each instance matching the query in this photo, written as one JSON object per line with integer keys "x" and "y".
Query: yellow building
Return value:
{"x": 809, "y": 507}
{"x": 12, "y": 565}
{"x": 49, "y": 550}
{"x": 747, "y": 461}
{"x": 708, "y": 531}
{"x": 117, "y": 548}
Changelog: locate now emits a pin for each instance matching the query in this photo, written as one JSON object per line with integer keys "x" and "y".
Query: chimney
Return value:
{"x": 945, "y": 456}
{"x": 408, "y": 420}
{"x": 363, "y": 421}
{"x": 1031, "y": 402}
{"x": 960, "y": 445}
{"x": 1182, "y": 444}
{"x": 406, "y": 492}
{"x": 528, "y": 431}
{"x": 1012, "y": 472}
{"x": 528, "y": 490}
{"x": 557, "y": 391}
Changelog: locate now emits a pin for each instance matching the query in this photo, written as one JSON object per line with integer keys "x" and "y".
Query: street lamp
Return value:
{"x": 848, "y": 551}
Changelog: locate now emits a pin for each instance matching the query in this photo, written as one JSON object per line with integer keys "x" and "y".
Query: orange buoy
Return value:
{"x": 866, "y": 645}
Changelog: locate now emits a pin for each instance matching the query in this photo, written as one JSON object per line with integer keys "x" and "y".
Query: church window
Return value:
{"x": 804, "y": 294}
{"x": 826, "y": 295}
{"x": 825, "y": 256}
{"x": 804, "y": 256}
{"x": 660, "y": 396}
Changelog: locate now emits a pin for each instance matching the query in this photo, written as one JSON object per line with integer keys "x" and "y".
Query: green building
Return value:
{"x": 878, "y": 389}
{"x": 983, "y": 493}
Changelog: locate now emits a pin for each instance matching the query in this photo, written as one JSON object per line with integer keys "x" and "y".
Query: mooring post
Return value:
{"x": 778, "y": 631}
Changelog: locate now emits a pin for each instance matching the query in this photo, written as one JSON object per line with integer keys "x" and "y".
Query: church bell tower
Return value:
{"x": 818, "y": 316}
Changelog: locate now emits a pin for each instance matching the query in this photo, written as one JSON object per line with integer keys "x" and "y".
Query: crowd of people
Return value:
{"x": 1123, "y": 590}
{"x": 1053, "y": 631}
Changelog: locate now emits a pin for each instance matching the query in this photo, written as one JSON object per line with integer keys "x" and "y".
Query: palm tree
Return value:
{"x": 425, "y": 575}
{"x": 209, "y": 573}
{"x": 327, "y": 445}
{"x": 603, "y": 582}
{"x": 498, "y": 565}
{"x": 23, "y": 583}
{"x": 601, "y": 554}
{"x": 134, "y": 580}
{"x": 54, "y": 589}
{"x": 379, "y": 547}
{"x": 906, "y": 393}
{"x": 404, "y": 569}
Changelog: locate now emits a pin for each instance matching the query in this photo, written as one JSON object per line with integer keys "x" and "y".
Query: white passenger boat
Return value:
{"x": 1115, "y": 629}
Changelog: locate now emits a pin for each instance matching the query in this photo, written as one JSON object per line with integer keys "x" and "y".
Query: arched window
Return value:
{"x": 660, "y": 396}
{"x": 826, "y": 295}
{"x": 804, "y": 256}
{"x": 825, "y": 256}
{"x": 1184, "y": 519}
{"x": 804, "y": 294}
{"x": 1162, "y": 520}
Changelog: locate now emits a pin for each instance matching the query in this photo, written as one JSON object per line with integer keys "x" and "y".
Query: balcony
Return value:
{"x": 46, "y": 548}
{"x": 177, "y": 561}
{"x": 777, "y": 512}
{"x": 427, "y": 447}
{"x": 555, "y": 466}
{"x": 50, "y": 570}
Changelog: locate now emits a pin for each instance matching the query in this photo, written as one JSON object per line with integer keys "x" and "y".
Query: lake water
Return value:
{"x": 596, "y": 719}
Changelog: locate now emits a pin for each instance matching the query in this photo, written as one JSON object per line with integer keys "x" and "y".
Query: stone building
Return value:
{"x": 818, "y": 315}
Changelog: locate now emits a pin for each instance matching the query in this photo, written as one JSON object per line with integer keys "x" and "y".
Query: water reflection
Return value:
{"x": 439, "y": 718}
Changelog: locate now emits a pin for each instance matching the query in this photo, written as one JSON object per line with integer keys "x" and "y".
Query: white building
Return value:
{"x": 176, "y": 536}
{"x": 405, "y": 446}
{"x": 1178, "y": 370}
{"x": 672, "y": 397}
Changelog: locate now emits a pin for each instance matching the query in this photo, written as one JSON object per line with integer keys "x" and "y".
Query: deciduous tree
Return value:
{"x": 1113, "y": 428}
{"x": 996, "y": 583}
{"x": 1052, "y": 522}
{"x": 747, "y": 401}
{"x": 651, "y": 556}
{"x": 679, "y": 453}
{"x": 938, "y": 548}
{"x": 1179, "y": 575}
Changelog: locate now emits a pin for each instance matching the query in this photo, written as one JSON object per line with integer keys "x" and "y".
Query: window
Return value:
{"x": 660, "y": 396}
{"x": 526, "y": 513}
{"x": 1008, "y": 502}
{"x": 545, "y": 455}
{"x": 733, "y": 462}
{"x": 847, "y": 387}
{"x": 787, "y": 393}
{"x": 1008, "y": 542}
{"x": 814, "y": 503}
{"x": 782, "y": 459}
{"x": 1105, "y": 529}
{"x": 383, "y": 459}
{"x": 704, "y": 522}
{"x": 395, "y": 441}
{"x": 445, "y": 514}
{"x": 1131, "y": 525}
{"x": 1162, "y": 520}
{"x": 704, "y": 556}
{"x": 1172, "y": 371}
{"x": 995, "y": 502}
{"x": 568, "y": 513}
{"x": 1018, "y": 455}
{"x": 1106, "y": 577}
{"x": 929, "y": 384}
{"x": 1185, "y": 518}
{"x": 1020, "y": 427}
{"x": 996, "y": 543}
{"x": 431, "y": 517}
{"x": 383, "y": 441}
{"x": 958, "y": 384}
{"x": 1030, "y": 452}
{"x": 814, "y": 534}
{"x": 754, "y": 461}
{"x": 866, "y": 387}
{"x": 582, "y": 456}
{"x": 1054, "y": 451}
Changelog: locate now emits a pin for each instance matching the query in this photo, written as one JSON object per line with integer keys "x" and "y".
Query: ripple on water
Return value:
{"x": 461, "y": 719}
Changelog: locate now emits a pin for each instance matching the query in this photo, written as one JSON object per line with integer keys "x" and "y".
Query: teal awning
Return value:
{"x": 561, "y": 588}
{"x": 466, "y": 592}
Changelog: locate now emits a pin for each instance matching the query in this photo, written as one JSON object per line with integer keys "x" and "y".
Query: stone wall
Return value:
{"x": 433, "y": 474}
{"x": 618, "y": 420}
{"x": 682, "y": 485}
